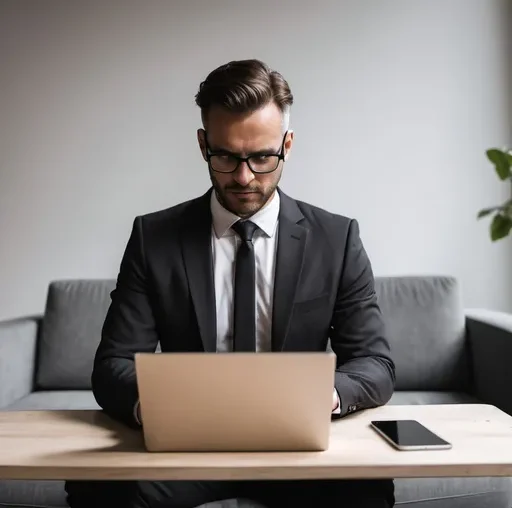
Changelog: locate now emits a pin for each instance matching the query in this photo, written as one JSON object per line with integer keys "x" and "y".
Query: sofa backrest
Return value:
{"x": 424, "y": 319}
{"x": 425, "y": 325}
{"x": 71, "y": 332}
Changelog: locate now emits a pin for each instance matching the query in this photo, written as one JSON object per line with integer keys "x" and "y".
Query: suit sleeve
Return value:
{"x": 365, "y": 371}
{"x": 129, "y": 328}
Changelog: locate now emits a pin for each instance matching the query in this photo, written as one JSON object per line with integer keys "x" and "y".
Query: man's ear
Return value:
{"x": 288, "y": 145}
{"x": 201, "y": 139}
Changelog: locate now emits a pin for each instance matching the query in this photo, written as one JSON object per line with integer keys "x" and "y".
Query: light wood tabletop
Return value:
{"x": 89, "y": 445}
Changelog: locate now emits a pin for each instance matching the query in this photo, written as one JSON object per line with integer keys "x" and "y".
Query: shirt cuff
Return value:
{"x": 337, "y": 411}
{"x": 136, "y": 410}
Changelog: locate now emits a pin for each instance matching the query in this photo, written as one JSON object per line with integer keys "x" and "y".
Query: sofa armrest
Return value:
{"x": 18, "y": 341}
{"x": 490, "y": 341}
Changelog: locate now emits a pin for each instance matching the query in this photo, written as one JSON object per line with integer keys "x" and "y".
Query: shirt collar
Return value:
{"x": 265, "y": 219}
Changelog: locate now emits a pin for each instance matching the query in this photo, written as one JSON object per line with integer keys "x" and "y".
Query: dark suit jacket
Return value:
{"x": 324, "y": 288}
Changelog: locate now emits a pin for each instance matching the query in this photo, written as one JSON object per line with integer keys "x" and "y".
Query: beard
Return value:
{"x": 253, "y": 198}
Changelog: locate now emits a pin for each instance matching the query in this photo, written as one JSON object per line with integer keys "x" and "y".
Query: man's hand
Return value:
{"x": 335, "y": 400}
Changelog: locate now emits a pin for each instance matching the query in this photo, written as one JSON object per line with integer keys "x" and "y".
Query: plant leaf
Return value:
{"x": 486, "y": 211}
{"x": 500, "y": 227}
{"x": 502, "y": 162}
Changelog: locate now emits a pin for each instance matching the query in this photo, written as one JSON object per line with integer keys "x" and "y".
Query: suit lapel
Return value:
{"x": 197, "y": 255}
{"x": 290, "y": 257}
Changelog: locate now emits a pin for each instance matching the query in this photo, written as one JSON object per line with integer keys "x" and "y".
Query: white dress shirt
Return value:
{"x": 225, "y": 243}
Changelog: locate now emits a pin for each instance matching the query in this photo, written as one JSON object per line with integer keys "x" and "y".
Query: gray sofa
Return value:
{"x": 443, "y": 354}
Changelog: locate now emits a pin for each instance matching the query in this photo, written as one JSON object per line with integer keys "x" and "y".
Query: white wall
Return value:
{"x": 396, "y": 102}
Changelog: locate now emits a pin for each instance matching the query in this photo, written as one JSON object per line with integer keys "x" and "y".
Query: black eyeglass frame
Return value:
{"x": 209, "y": 154}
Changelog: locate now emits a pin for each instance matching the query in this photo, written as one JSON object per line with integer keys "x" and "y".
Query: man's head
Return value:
{"x": 245, "y": 110}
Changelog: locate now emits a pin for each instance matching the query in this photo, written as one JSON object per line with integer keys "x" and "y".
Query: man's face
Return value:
{"x": 244, "y": 192}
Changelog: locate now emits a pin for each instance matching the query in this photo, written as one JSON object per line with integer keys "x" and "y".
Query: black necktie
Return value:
{"x": 244, "y": 324}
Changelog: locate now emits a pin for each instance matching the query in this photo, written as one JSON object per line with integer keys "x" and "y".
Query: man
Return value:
{"x": 243, "y": 257}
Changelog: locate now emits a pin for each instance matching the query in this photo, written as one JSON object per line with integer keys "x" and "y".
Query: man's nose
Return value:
{"x": 243, "y": 174}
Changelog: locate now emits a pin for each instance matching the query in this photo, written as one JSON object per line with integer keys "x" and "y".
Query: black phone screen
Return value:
{"x": 408, "y": 433}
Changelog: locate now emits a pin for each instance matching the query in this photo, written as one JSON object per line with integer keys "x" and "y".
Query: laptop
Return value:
{"x": 206, "y": 402}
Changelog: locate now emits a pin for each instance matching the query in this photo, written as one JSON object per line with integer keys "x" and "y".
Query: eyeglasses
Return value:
{"x": 226, "y": 162}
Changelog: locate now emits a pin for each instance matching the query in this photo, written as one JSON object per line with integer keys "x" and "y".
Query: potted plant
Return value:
{"x": 501, "y": 223}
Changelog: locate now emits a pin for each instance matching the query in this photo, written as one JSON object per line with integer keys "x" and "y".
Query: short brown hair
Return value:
{"x": 243, "y": 86}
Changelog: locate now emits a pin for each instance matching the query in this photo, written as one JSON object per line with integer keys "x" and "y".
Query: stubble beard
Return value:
{"x": 245, "y": 210}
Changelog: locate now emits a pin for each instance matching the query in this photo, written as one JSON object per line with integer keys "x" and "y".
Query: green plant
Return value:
{"x": 501, "y": 223}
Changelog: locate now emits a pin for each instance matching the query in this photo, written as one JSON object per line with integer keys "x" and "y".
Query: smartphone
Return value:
{"x": 409, "y": 435}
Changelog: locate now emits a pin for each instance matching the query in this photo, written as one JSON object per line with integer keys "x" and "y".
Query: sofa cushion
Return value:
{"x": 454, "y": 492}
{"x": 419, "y": 398}
{"x": 58, "y": 399}
{"x": 71, "y": 331}
{"x": 426, "y": 327}
{"x": 28, "y": 493}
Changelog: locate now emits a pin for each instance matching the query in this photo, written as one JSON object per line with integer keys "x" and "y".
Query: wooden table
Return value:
{"x": 89, "y": 445}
